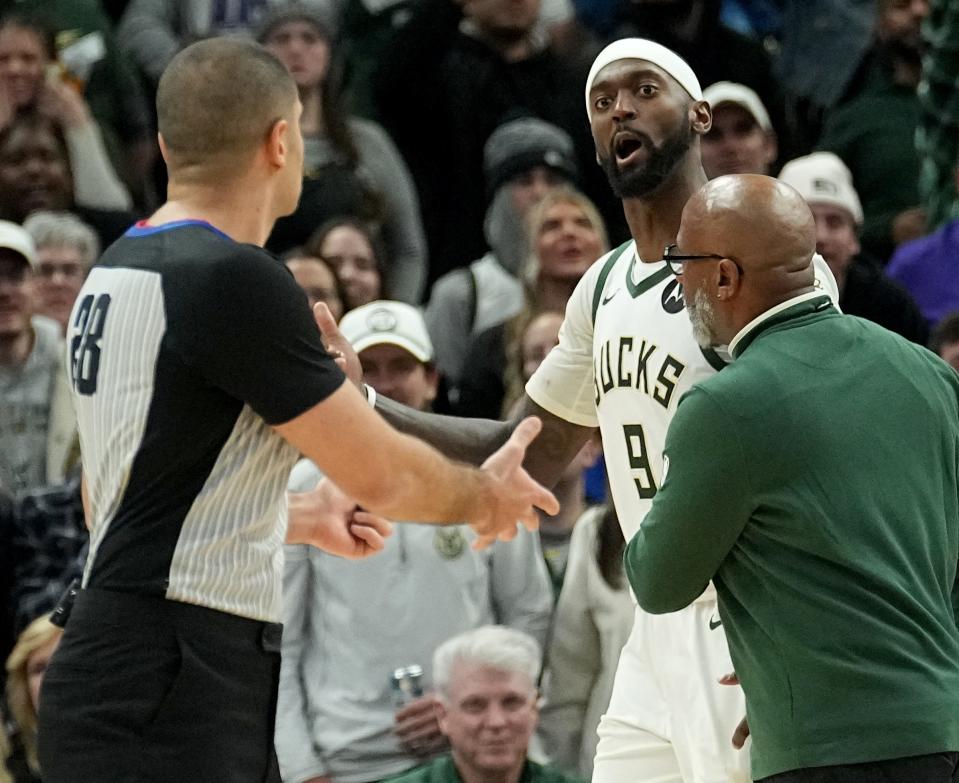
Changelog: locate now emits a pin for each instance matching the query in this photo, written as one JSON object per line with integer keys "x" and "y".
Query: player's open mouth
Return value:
{"x": 627, "y": 147}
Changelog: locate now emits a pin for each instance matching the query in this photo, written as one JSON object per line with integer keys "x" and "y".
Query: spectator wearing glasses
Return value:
{"x": 36, "y": 420}
{"x": 66, "y": 249}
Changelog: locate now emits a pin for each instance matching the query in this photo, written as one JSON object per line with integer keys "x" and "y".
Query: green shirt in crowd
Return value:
{"x": 815, "y": 481}
{"x": 443, "y": 770}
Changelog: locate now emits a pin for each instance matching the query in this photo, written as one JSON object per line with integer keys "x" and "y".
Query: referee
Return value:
{"x": 198, "y": 376}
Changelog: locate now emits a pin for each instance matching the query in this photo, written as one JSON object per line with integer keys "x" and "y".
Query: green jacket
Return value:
{"x": 443, "y": 770}
{"x": 816, "y": 481}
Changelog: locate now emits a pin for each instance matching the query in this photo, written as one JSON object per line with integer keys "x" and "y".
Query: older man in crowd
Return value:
{"x": 66, "y": 249}
{"x": 486, "y": 679}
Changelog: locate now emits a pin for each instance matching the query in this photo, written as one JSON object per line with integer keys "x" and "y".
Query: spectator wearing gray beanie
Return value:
{"x": 523, "y": 159}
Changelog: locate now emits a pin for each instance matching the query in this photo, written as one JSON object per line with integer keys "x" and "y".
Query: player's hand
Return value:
{"x": 742, "y": 730}
{"x": 319, "y": 779}
{"x": 338, "y": 346}
{"x": 338, "y": 526}
{"x": 514, "y": 495}
{"x": 417, "y": 727}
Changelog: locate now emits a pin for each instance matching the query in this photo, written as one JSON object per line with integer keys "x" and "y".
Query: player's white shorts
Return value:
{"x": 669, "y": 720}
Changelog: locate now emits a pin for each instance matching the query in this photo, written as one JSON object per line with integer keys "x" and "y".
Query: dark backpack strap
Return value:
{"x": 607, "y": 268}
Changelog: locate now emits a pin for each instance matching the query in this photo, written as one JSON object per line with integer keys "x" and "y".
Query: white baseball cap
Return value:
{"x": 740, "y": 95}
{"x": 388, "y": 322}
{"x": 822, "y": 178}
{"x": 14, "y": 237}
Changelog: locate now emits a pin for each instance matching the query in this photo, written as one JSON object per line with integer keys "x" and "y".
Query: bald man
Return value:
{"x": 814, "y": 481}
{"x": 198, "y": 376}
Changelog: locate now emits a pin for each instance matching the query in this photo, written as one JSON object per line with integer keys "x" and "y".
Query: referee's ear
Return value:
{"x": 164, "y": 150}
{"x": 278, "y": 143}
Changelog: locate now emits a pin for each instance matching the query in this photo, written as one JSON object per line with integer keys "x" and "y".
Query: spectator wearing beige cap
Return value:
{"x": 349, "y": 625}
{"x": 741, "y": 139}
{"x": 864, "y": 290}
{"x": 36, "y": 422}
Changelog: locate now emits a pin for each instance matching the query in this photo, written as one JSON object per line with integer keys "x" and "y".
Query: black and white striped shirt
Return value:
{"x": 184, "y": 348}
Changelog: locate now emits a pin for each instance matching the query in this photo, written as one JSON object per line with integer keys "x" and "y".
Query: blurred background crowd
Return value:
{"x": 451, "y": 202}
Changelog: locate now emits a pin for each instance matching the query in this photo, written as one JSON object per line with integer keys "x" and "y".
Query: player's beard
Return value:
{"x": 702, "y": 317}
{"x": 645, "y": 177}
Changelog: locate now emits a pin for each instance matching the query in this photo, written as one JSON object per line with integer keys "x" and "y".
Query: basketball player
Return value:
{"x": 626, "y": 355}
{"x": 198, "y": 376}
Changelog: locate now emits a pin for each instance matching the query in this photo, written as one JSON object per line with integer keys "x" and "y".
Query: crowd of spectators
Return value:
{"x": 451, "y": 202}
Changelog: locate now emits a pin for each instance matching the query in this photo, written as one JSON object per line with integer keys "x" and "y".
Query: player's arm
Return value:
{"x": 473, "y": 440}
{"x": 562, "y": 399}
{"x": 403, "y": 478}
{"x": 698, "y": 513}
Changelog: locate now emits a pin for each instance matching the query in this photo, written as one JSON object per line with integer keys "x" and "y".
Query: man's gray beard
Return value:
{"x": 703, "y": 318}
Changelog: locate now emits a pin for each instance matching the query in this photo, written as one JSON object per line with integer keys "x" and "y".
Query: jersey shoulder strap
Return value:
{"x": 604, "y": 273}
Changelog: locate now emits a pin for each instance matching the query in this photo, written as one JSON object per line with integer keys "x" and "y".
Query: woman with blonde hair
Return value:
{"x": 25, "y": 668}
{"x": 566, "y": 236}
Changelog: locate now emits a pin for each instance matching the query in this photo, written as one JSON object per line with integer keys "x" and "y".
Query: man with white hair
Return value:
{"x": 486, "y": 683}
{"x": 66, "y": 249}
{"x": 626, "y": 356}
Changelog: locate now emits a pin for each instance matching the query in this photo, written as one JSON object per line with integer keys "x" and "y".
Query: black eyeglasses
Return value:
{"x": 675, "y": 260}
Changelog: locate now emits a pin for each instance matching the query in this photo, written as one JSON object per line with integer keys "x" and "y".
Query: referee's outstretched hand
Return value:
{"x": 337, "y": 345}
{"x": 333, "y": 522}
{"x": 514, "y": 497}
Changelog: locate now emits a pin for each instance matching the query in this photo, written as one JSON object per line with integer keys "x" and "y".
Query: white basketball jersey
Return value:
{"x": 626, "y": 356}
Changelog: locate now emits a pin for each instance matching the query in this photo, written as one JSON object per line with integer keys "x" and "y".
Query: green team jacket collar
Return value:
{"x": 804, "y": 304}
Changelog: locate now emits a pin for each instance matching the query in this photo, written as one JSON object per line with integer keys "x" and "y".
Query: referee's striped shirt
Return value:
{"x": 184, "y": 347}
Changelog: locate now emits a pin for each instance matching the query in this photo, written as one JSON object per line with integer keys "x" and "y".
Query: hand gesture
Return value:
{"x": 742, "y": 730}
{"x": 514, "y": 496}
{"x": 61, "y": 102}
{"x": 339, "y": 526}
{"x": 338, "y": 346}
{"x": 418, "y": 728}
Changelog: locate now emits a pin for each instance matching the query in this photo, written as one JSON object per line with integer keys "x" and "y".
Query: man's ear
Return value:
{"x": 441, "y": 714}
{"x": 700, "y": 117}
{"x": 727, "y": 279}
{"x": 164, "y": 150}
{"x": 276, "y": 143}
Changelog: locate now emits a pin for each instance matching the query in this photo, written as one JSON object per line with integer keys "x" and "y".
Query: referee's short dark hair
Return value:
{"x": 217, "y": 101}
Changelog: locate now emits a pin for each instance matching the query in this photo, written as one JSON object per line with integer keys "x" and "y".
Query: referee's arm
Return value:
{"x": 698, "y": 512}
{"x": 401, "y": 477}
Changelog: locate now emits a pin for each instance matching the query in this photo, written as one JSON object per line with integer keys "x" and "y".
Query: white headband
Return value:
{"x": 641, "y": 49}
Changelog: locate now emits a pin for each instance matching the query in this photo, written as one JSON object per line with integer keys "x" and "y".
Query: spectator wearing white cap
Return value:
{"x": 348, "y": 625}
{"x": 864, "y": 290}
{"x": 36, "y": 420}
{"x": 741, "y": 139}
